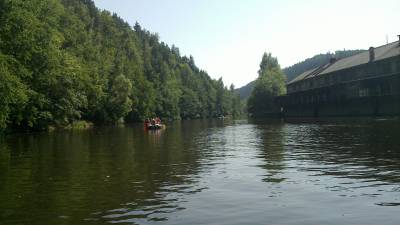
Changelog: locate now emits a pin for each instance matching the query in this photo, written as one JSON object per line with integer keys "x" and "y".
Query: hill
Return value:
{"x": 293, "y": 71}
{"x": 245, "y": 91}
{"x": 62, "y": 61}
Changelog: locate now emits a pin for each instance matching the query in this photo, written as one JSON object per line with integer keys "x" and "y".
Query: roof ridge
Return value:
{"x": 382, "y": 52}
{"x": 364, "y": 51}
{"x": 385, "y": 44}
{"x": 322, "y": 68}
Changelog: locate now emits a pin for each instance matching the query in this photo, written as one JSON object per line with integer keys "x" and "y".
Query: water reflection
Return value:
{"x": 272, "y": 136}
{"x": 353, "y": 158}
{"x": 205, "y": 171}
{"x": 112, "y": 174}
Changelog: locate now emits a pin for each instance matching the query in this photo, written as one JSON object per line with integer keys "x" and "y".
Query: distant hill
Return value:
{"x": 245, "y": 91}
{"x": 299, "y": 68}
{"x": 316, "y": 61}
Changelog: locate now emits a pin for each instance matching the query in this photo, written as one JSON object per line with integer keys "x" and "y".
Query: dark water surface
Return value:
{"x": 205, "y": 172}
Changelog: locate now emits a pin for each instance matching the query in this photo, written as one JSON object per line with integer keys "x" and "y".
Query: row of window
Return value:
{"x": 383, "y": 88}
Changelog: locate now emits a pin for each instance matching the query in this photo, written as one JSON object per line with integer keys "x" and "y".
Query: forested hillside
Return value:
{"x": 316, "y": 61}
{"x": 293, "y": 71}
{"x": 65, "y": 60}
{"x": 245, "y": 91}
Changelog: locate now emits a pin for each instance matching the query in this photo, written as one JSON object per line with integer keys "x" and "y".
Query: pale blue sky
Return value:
{"x": 228, "y": 37}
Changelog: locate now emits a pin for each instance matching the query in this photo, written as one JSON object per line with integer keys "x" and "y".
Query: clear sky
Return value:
{"x": 228, "y": 37}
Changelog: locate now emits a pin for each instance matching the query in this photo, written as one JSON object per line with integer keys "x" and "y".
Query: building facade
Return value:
{"x": 366, "y": 84}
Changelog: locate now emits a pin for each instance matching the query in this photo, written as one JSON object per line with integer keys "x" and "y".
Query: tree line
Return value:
{"x": 63, "y": 61}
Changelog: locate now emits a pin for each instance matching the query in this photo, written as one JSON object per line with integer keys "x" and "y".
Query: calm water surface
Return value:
{"x": 205, "y": 172}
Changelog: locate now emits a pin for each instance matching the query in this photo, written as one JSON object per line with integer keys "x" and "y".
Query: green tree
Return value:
{"x": 119, "y": 103}
{"x": 13, "y": 93}
{"x": 269, "y": 84}
{"x": 222, "y": 99}
{"x": 189, "y": 104}
{"x": 236, "y": 105}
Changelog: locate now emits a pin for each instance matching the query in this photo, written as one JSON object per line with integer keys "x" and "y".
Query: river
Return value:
{"x": 205, "y": 172}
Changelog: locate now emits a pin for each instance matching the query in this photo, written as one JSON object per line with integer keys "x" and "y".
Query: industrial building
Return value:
{"x": 366, "y": 84}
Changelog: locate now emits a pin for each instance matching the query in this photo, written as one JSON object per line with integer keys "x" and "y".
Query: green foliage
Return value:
{"x": 269, "y": 84}
{"x": 67, "y": 93}
{"x": 13, "y": 93}
{"x": 190, "y": 104}
{"x": 236, "y": 103}
{"x": 78, "y": 125}
{"x": 63, "y": 61}
{"x": 118, "y": 104}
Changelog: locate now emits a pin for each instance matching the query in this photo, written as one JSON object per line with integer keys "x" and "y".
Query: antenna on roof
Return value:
{"x": 387, "y": 39}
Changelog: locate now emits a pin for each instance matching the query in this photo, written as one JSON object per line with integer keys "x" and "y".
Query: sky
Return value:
{"x": 227, "y": 38}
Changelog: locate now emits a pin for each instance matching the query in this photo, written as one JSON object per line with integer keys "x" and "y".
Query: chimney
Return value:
{"x": 399, "y": 38}
{"x": 332, "y": 60}
{"x": 371, "y": 54}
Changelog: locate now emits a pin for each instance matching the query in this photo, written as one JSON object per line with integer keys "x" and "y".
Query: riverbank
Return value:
{"x": 76, "y": 125}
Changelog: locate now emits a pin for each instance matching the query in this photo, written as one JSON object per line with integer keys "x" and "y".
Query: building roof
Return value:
{"x": 382, "y": 52}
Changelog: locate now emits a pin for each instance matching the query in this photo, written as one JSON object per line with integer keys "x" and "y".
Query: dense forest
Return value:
{"x": 63, "y": 61}
{"x": 293, "y": 71}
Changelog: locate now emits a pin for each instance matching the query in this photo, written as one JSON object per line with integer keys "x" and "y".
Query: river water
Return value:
{"x": 205, "y": 172}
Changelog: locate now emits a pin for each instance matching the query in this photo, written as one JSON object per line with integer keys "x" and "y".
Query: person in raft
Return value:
{"x": 152, "y": 122}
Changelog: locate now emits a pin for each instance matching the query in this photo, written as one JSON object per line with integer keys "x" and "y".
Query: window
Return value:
{"x": 303, "y": 85}
{"x": 370, "y": 70}
{"x": 394, "y": 67}
{"x": 335, "y": 78}
{"x": 378, "y": 90}
{"x": 363, "y": 92}
{"x": 346, "y": 76}
{"x": 331, "y": 80}
{"x": 319, "y": 82}
{"x": 398, "y": 65}
{"x": 386, "y": 67}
